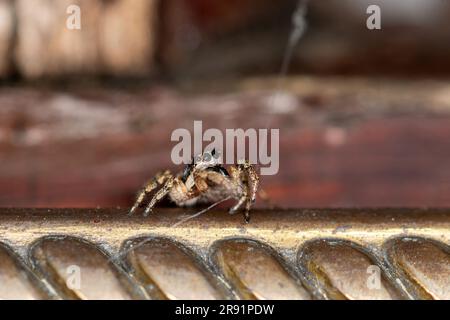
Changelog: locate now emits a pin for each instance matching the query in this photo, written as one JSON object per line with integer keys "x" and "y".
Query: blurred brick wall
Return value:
{"x": 346, "y": 142}
{"x": 343, "y": 142}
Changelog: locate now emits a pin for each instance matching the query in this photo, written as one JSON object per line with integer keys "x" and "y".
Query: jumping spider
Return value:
{"x": 205, "y": 180}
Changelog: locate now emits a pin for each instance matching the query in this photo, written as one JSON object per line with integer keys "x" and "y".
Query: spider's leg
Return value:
{"x": 252, "y": 181}
{"x": 238, "y": 205}
{"x": 159, "y": 179}
{"x": 201, "y": 181}
{"x": 159, "y": 195}
{"x": 223, "y": 186}
{"x": 180, "y": 193}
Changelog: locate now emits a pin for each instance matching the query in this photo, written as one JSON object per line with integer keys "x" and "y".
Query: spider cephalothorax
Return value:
{"x": 205, "y": 180}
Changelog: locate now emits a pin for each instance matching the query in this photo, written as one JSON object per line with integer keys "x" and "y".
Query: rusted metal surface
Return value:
{"x": 339, "y": 270}
{"x": 162, "y": 265}
{"x": 255, "y": 272}
{"x": 281, "y": 254}
{"x": 15, "y": 278}
{"x": 425, "y": 266}
{"x": 57, "y": 259}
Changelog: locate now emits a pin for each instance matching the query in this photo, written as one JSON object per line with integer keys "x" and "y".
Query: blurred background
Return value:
{"x": 86, "y": 115}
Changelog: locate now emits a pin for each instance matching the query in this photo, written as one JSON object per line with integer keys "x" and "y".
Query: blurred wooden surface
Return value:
{"x": 6, "y": 37}
{"x": 343, "y": 141}
{"x": 115, "y": 38}
{"x": 219, "y": 38}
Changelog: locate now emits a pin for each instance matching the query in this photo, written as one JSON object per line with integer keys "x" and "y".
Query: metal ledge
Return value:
{"x": 281, "y": 254}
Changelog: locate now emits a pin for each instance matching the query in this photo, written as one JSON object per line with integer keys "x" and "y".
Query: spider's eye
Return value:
{"x": 196, "y": 159}
{"x": 207, "y": 157}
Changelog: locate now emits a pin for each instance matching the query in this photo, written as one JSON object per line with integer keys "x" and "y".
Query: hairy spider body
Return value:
{"x": 205, "y": 180}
